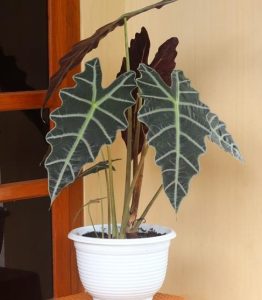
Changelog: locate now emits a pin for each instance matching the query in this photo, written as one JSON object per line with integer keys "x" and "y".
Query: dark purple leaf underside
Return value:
{"x": 163, "y": 63}
{"x": 79, "y": 50}
{"x": 138, "y": 52}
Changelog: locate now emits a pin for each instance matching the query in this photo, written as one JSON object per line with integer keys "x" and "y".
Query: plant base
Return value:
{"x": 125, "y": 269}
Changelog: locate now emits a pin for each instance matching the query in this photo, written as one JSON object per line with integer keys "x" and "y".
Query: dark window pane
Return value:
{"x": 23, "y": 45}
{"x": 23, "y": 146}
{"x": 26, "y": 258}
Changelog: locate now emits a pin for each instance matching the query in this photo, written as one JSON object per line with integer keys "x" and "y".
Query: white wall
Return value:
{"x": 218, "y": 250}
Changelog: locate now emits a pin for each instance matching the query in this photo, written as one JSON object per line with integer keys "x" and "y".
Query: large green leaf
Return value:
{"x": 88, "y": 118}
{"x": 178, "y": 123}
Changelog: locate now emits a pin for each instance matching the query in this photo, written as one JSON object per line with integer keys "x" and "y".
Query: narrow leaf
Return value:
{"x": 102, "y": 165}
{"x": 90, "y": 202}
{"x": 88, "y": 118}
{"x": 79, "y": 50}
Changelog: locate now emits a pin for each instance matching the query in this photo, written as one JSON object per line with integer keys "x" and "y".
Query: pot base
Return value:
{"x": 122, "y": 269}
{"x": 150, "y": 298}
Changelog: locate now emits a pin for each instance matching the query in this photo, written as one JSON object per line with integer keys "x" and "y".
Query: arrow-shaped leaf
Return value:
{"x": 178, "y": 123}
{"x": 88, "y": 118}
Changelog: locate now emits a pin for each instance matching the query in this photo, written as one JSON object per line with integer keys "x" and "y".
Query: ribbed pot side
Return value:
{"x": 123, "y": 269}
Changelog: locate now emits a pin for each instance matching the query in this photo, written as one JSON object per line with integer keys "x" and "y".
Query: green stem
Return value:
{"x": 102, "y": 220}
{"x": 126, "y": 45}
{"x": 129, "y": 134}
{"x": 112, "y": 194}
{"x": 102, "y": 207}
{"x": 146, "y": 8}
{"x": 136, "y": 197}
{"x": 126, "y": 213}
{"x": 137, "y": 189}
{"x": 109, "y": 200}
{"x": 148, "y": 207}
{"x": 137, "y": 133}
{"x": 91, "y": 219}
{"x": 97, "y": 200}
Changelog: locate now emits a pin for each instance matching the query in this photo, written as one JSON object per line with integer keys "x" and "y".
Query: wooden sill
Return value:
{"x": 23, "y": 190}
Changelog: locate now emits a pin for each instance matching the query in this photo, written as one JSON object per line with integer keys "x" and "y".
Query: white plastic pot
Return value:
{"x": 122, "y": 269}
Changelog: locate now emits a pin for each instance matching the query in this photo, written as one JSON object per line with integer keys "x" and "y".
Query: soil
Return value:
{"x": 138, "y": 235}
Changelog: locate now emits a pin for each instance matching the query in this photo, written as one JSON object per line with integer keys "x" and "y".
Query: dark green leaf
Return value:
{"x": 88, "y": 118}
{"x": 178, "y": 123}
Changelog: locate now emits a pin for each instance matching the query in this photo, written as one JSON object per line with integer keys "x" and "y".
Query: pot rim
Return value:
{"x": 76, "y": 235}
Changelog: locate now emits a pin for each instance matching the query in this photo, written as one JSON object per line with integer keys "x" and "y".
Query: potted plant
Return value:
{"x": 153, "y": 105}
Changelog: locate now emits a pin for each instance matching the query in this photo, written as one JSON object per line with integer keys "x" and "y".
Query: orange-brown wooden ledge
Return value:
{"x": 84, "y": 296}
{"x": 23, "y": 190}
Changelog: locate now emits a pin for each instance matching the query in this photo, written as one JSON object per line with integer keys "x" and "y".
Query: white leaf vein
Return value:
{"x": 188, "y": 162}
{"x": 102, "y": 128}
{"x": 195, "y": 122}
{"x": 111, "y": 116}
{"x": 160, "y": 132}
{"x": 165, "y": 155}
{"x": 192, "y": 141}
{"x": 69, "y": 116}
{"x": 156, "y": 111}
{"x": 63, "y": 92}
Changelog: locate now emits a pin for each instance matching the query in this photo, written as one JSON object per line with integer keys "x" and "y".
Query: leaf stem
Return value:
{"x": 83, "y": 206}
{"x": 130, "y": 121}
{"x": 148, "y": 207}
{"x": 102, "y": 220}
{"x": 112, "y": 194}
{"x": 109, "y": 201}
{"x": 137, "y": 132}
{"x": 129, "y": 135}
{"x": 137, "y": 189}
{"x": 126, "y": 212}
{"x": 101, "y": 207}
{"x": 91, "y": 219}
{"x": 136, "y": 197}
{"x": 126, "y": 45}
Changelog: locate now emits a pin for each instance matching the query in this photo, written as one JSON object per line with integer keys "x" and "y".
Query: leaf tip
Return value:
{"x": 236, "y": 153}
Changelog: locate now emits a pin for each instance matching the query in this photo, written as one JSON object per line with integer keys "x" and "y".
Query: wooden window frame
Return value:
{"x": 63, "y": 32}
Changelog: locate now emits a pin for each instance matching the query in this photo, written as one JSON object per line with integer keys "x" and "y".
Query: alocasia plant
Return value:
{"x": 167, "y": 114}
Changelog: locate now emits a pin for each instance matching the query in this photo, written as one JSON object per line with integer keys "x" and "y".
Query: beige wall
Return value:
{"x": 218, "y": 250}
